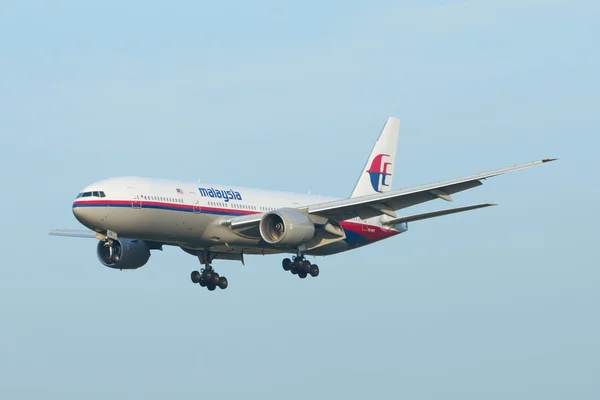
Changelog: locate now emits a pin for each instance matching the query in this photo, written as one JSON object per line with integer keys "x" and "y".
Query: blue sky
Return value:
{"x": 497, "y": 303}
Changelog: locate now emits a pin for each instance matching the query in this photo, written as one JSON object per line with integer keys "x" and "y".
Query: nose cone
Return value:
{"x": 82, "y": 215}
{"x": 77, "y": 211}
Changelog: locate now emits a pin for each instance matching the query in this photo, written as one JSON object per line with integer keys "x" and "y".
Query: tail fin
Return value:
{"x": 377, "y": 175}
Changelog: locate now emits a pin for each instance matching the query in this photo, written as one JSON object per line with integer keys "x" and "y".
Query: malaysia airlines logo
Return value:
{"x": 226, "y": 195}
{"x": 378, "y": 172}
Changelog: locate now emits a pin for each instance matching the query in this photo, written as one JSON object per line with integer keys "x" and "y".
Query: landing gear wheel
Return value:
{"x": 294, "y": 271}
{"x": 223, "y": 283}
{"x": 306, "y": 266}
{"x": 302, "y": 274}
{"x": 208, "y": 277}
{"x": 287, "y": 264}
{"x": 314, "y": 270}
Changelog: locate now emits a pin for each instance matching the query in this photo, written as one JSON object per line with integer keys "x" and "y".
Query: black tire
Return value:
{"x": 214, "y": 280}
{"x": 211, "y": 287}
{"x": 202, "y": 282}
{"x": 195, "y": 276}
{"x": 223, "y": 283}
{"x": 306, "y": 266}
{"x": 314, "y": 270}
{"x": 294, "y": 271}
{"x": 302, "y": 274}
{"x": 287, "y": 264}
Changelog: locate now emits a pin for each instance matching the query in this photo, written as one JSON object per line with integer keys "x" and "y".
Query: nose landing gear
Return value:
{"x": 301, "y": 267}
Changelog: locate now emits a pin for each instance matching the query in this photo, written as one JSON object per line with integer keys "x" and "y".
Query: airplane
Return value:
{"x": 132, "y": 216}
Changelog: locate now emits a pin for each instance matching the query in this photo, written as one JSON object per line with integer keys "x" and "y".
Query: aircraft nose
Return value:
{"x": 81, "y": 214}
{"x": 77, "y": 212}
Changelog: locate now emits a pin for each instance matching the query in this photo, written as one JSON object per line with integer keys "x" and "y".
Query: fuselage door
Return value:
{"x": 195, "y": 203}
{"x": 136, "y": 199}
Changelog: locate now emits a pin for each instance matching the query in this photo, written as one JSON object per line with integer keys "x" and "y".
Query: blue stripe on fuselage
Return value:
{"x": 353, "y": 239}
{"x": 203, "y": 210}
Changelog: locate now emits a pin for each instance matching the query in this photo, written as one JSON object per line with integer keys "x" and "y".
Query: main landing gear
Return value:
{"x": 207, "y": 277}
{"x": 301, "y": 267}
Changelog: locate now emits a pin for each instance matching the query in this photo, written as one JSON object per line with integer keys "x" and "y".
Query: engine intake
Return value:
{"x": 123, "y": 254}
{"x": 286, "y": 228}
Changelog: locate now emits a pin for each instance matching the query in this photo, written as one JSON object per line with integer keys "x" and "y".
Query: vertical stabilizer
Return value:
{"x": 376, "y": 176}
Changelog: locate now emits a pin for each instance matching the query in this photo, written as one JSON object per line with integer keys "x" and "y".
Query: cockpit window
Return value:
{"x": 92, "y": 194}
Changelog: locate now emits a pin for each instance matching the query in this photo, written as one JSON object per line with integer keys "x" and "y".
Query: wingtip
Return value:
{"x": 546, "y": 160}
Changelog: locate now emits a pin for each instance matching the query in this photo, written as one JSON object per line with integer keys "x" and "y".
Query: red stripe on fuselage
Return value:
{"x": 372, "y": 233}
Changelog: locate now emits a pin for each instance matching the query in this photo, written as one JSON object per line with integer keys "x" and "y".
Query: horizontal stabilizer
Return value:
{"x": 433, "y": 214}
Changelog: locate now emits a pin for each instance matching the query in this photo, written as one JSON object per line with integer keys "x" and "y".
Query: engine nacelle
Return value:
{"x": 286, "y": 228}
{"x": 123, "y": 254}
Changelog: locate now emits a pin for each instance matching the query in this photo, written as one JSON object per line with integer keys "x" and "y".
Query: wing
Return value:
{"x": 73, "y": 233}
{"x": 385, "y": 203}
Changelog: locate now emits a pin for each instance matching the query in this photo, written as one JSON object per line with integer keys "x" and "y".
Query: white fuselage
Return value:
{"x": 190, "y": 215}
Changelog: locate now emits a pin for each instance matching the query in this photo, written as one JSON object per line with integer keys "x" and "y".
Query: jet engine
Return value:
{"x": 123, "y": 253}
{"x": 286, "y": 228}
